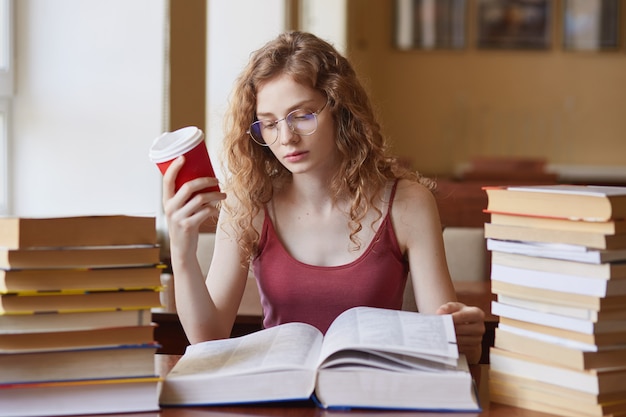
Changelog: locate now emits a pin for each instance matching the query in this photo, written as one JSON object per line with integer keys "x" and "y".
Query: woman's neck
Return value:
{"x": 307, "y": 191}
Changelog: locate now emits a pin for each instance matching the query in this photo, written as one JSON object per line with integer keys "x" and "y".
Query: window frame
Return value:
{"x": 7, "y": 55}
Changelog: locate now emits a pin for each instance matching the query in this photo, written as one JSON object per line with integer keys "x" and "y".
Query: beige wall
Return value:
{"x": 440, "y": 108}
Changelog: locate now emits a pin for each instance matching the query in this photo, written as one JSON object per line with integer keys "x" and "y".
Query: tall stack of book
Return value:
{"x": 558, "y": 271}
{"x": 75, "y": 324}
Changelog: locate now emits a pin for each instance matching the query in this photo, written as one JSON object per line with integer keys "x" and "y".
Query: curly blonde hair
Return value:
{"x": 254, "y": 172}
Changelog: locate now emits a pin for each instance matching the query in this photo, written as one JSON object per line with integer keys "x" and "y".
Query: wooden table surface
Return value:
{"x": 164, "y": 363}
{"x": 170, "y": 332}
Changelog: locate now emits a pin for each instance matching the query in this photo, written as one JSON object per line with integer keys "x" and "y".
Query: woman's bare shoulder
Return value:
{"x": 412, "y": 193}
{"x": 414, "y": 208}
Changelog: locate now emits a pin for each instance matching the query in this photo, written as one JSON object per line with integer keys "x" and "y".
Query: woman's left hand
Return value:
{"x": 469, "y": 324}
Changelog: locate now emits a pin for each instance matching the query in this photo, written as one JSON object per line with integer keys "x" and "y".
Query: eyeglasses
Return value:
{"x": 300, "y": 122}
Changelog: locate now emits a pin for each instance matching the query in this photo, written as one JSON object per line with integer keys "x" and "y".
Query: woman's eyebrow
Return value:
{"x": 304, "y": 104}
{"x": 265, "y": 114}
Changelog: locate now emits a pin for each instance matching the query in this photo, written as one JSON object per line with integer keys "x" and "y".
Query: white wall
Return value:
{"x": 232, "y": 35}
{"x": 89, "y": 101}
{"x": 90, "y": 96}
{"x": 327, "y": 19}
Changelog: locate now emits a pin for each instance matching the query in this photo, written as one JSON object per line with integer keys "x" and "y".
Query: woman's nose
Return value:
{"x": 285, "y": 134}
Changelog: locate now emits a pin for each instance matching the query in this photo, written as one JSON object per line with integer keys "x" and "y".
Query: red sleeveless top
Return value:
{"x": 294, "y": 291}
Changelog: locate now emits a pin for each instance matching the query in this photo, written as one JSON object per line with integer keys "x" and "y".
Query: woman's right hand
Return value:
{"x": 185, "y": 212}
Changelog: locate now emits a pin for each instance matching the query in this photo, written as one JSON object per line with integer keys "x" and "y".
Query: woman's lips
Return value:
{"x": 296, "y": 156}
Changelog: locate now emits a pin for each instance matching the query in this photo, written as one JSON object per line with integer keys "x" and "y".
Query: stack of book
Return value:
{"x": 75, "y": 324}
{"x": 558, "y": 271}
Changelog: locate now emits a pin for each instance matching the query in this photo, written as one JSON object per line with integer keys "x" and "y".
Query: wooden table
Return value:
{"x": 493, "y": 410}
{"x": 169, "y": 333}
{"x": 307, "y": 410}
{"x": 165, "y": 362}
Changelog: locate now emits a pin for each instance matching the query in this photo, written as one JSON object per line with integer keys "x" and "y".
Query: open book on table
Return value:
{"x": 369, "y": 358}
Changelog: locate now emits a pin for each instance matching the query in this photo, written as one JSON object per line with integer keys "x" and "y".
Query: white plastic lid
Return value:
{"x": 173, "y": 144}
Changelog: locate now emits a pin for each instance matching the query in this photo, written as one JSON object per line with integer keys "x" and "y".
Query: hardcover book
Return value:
{"x": 575, "y": 202}
{"x": 60, "y": 340}
{"x": 535, "y": 234}
{"x": 80, "y": 257}
{"x": 590, "y": 381}
{"x": 31, "y": 322}
{"x": 132, "y": 278}
{"x": 559, "y": 352}
{"x": 553, "y": 250}
{"x": 605, "y": 270}
{"x": 553, "y": 399}
{"x": 20, "y": 233}
{"x": 96, "y": 396}
{"x": 610, "y": 227}
{"x": 562, "y": 282}
{"x": 369, "y": 358}
{"x": 78, "y": 301}
{"x": 126, "y": 361}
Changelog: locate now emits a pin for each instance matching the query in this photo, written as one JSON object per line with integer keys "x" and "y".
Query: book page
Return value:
{"x": 561, "y": 341}
{"x": 545, "y": 319}
{"x": 567, "y": 252}
{"x": 289, "y": 346}
{"x": 350, "y": 359}
{"x": 400, "y": 332}
{"x": 596, "y": 287}
{"x": 590, "y": 190}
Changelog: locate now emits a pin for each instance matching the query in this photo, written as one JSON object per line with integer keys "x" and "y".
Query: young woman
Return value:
{"x": 327, "y": 219}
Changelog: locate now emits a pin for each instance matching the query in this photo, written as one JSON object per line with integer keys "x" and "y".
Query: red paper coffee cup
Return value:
{"x": 188, "y": 141}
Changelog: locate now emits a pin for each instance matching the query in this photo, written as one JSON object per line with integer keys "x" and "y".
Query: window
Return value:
{"x": 591, "y": 25}
{"x": 6, "y": 93}
{"x": 430, "y": 24}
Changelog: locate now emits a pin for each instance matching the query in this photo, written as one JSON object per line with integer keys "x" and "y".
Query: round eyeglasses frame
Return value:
{"x": 292, "y": 123}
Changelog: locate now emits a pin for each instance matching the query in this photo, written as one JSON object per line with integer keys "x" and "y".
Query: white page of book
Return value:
{"x": 546, "y": 319}
{"x": 561, "y": 310}
{"x": 585, "y": 381}
{"x": 287, "y": 347}
{"x": 561, "y": 341}
{"x": 590, "y": 190}
{"x": 556, "y": 250}
{"x": 498, "y": 244}
{"x": 429, "y": 336}
{"x": 353, "y": 359}
{"x": 551, "y": 281}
